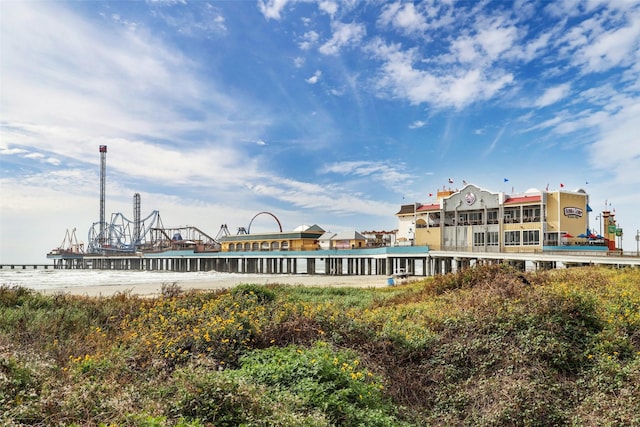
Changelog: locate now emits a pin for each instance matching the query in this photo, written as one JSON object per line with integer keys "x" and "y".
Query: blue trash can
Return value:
{"x": 390, "y": 281}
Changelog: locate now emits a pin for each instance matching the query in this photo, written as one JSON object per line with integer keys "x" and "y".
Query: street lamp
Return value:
{"x": 637, "y": 242}
{"x": 600, "y": 218}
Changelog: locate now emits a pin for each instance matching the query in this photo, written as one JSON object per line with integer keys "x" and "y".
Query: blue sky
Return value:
{"x": 325, "y": 112}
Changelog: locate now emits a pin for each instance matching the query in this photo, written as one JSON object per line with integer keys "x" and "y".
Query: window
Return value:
{"x": 284, "y": 246}
{"x": 512, "y": 215}
{"x": 511, "y": 238}
{"x": 264, "y": 246}
{"x": 475, "y": 218}
{"x": 275, "y": 246}
{"x": 531, "y": 213}
{"x": 492, "y": 238}
{"x": 255, "y": 246}
{"x": 247, "y": 247}
{"x": 531, "y": 237}
{"x": 492, "y": 217}
{"x": 434, "y": 219}
{"x": 232, "y": 247}
{"x": 478, "y": 239}
{"x": 551, "y": 239}
{"x": 449, "y": 218}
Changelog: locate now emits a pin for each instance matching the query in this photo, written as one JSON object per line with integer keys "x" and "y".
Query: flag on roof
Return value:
{"x": 561, "y": 185}
{"x": 506, "y": 180}
{"x": 430, "y": 194}
{"x": 589, "y": 209}
{"x": 547, "y": 189}
{"x": 464, "y": 182}
{"x": 450, "y": 181}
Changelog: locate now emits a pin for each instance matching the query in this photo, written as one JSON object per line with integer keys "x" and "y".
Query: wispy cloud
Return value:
{"x": 378, "y": 171}
{"x": 314, "y": 79}
{"x": 553, "y": 95}
{"x": 417, "y": 124}
{"x": 344, "y": 35}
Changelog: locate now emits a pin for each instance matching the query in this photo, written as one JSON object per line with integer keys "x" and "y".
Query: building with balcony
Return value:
{"x": 477, "y": 220}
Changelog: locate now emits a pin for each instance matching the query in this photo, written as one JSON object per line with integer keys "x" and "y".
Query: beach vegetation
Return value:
{"x": 483, "y": 346}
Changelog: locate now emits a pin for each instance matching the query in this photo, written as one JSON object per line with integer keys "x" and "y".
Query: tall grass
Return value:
{"x": 485, "y": 346}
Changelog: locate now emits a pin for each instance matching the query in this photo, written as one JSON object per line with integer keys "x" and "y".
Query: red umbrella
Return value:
{"x": 567, "y": 235}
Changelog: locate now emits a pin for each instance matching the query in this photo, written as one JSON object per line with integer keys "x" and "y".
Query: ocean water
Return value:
{"x": 40, "y": 279}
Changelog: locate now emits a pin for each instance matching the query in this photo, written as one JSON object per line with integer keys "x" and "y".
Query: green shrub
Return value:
{"x": 262, "y": 293}
{"x": 335, "y": 382}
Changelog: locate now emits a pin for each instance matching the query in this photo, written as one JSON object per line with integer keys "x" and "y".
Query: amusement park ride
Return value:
{"x": 123, "y": 235}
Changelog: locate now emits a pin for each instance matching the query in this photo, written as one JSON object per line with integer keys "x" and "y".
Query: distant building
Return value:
{"x": 325, "y": 240}
{"x": 304, "y": 238}
{"x": 349, "y": 240}
{"x": 477, "y": 220}
{"x": 380, "y": 238}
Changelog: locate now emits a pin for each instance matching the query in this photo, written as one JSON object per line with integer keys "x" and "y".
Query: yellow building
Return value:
{"x": 474, "y": 219}
{"x": 301, "y": 239}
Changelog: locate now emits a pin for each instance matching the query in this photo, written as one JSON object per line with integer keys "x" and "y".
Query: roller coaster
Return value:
{"x": 123, "y": 235}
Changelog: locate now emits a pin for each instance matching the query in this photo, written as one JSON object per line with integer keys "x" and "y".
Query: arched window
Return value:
{"x": 247, "y": 247}
{"x": 232, "y": 247}
{"x": 264, "y": 246}
{"x": 284, "y": 246}
{"x": 255, "y": 246}
{"x": 275, "y": 246}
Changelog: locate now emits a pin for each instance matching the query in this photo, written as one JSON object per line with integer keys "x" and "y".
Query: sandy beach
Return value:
{"x": 154, "y": 288}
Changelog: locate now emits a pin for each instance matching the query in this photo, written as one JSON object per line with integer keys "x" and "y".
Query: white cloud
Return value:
{"x": 125, "y": 90}
{"x": 343, "y": 35}
{"x": 459, "y": 88}
{"x": 616, "y": 147}
{"x": 206, "y": 21}
{"x": 611, "y": 48}
{"x": 379, "y": 171}
{"x": 271, "y": 9}
{"x": 314, "y": 79}
{"x": 309, "y": 39}
{"x": 298, "y": 62}
{"x": 404, "y": 17}
{"x": 553, "y": 95}
{"x": 417, "y": 124}
{"x": 328, "y": 7}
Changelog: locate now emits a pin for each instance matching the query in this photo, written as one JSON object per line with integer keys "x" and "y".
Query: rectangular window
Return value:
{"x": 478, "y": 239}
{"x": 551, "y": 239}
{"x": 462, "y": 220}
{"x": 492, "y": 217}
{"x": 512, "y": 215}
{"x": 531, "y": 237}
{"x": 475, "y": 218}
{"x": 492, "y": 238}
{"x": 531, "y": 214}
{"x": 511, "y": 238}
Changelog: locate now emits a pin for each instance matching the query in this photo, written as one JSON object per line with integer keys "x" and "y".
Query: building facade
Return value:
{"x": 477, "y": 220}
{"x": 304, "y": 239}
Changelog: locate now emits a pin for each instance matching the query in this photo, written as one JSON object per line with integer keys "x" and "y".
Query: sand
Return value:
{"x": 154, "y": 289}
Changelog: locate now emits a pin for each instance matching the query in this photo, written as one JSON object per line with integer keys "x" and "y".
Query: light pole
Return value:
{"x": 637, "y": 242}
{"x": 600, "y": 229}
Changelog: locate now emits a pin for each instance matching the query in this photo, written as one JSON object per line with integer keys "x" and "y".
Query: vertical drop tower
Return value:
{"x": 103, "y": 180}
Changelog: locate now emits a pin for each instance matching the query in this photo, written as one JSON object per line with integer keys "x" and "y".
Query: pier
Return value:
{"x": 26, "y": 266}
{"x": 384, "y": 261}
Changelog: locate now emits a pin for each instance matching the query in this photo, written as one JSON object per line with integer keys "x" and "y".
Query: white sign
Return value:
{"x": 573, "y": 212}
